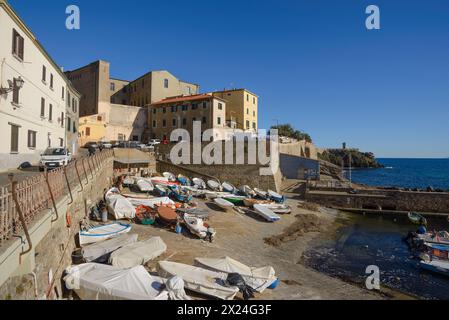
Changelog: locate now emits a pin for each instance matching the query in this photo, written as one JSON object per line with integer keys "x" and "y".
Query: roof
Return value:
{"x": 194, "y": 97}
{"x": 232, "y": 90}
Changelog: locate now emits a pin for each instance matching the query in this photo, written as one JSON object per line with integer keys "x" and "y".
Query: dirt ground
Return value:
{"x": 257, "y": 243}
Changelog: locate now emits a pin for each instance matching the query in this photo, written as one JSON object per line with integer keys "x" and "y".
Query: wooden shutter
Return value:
{"x": 42, "y": 107}
{"x": 21, "y": 47}
{"x": 14, "y": 138}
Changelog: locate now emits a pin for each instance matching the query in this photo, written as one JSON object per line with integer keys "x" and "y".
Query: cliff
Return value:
{"x": 345, "y": 157}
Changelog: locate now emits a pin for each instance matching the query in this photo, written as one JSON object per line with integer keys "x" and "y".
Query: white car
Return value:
{"x": 54, "y": 158}
{"x": 154, "y": 142}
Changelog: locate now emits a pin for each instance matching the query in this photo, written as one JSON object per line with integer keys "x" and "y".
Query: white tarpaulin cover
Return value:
{"x": 175, "y": 288}
{"x": 257, "y": 278}
{"x": 92, "y": 281}
{"x": 150, "y": 202}
{"x": 97, "y": 250}
{"x": 138, "y": 253}
{"x": 119, "y": 206}
{"x": 198, "y": 279}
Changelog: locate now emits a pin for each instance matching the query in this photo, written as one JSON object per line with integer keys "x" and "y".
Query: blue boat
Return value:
{"x": 276, "y": 197}
{"x": 184, "y": 180}
{"x": 436, "y": 266}
{"x": 179, "y": 195}
{"x": 161, "y": 191}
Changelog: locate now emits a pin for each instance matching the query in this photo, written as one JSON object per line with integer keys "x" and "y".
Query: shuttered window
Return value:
{"x": 44, "y": 73}
{"x": 17, "y": 44}
{"x": 50, "y": 112}
{"x": 42, "y": 107}
{"x": 14, "y": 138}
{"x": 31, "y": 139}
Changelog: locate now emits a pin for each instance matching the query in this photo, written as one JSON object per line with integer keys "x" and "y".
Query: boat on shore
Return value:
{"x": 436, "y": 266}
{"x": 167, "y": 215}
{"x": 199, "y": 183}
{"x": 247, "y": 191}
{"x": 261, "y": 194}
{"x": 266, "y": 213}
{"x": 235, "y": 200}
{"x": 102, "y": 233}
{"x": 144, "y": 185}
{"x": 170, "y": 176}
{"x": 213, "y": 185}
{"x": 227, "y": 187}
{"x": 277, "y": 208}
{"x": 251, "y": 202}
{"x": 276, "y": 197}
{"x": 224, "y": 204}
{"x": 198, "y": 227}
{"x": 417, "y": 219}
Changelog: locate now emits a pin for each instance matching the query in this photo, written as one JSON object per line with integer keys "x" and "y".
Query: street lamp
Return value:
{"x": 15, "y": 83}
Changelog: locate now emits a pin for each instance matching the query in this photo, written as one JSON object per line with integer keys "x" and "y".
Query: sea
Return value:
{"x": 368, "y": 240}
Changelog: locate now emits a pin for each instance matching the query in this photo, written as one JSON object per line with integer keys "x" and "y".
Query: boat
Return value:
{"x": 161, "y": 190}
{"x": 199, "y": 280}
{"x": 227, "y": 187}
{"x": 416, "y": 218}
{"x": 278, "y": 208}
{"x": 181, "y": 195}
{"x": 163, "y": 181}
{"x": 276, "y": 197}
{"x": 199, "y": 183}
{"x": 93, "y": 281}
{"x": 145, "y": 215}
{"x": 128, "y": 181}
{"x": 167, "y": 215}
{"x": 198, "y": 227}
{"x": 261, "y": 194}
{"x": 257, "y": 278}
{"x": 144, "y": 185}
{"x": 224, "y": 204}
{"x": 436, "y": 266}
{"x": 169, "y": 176}
{"x": 118, "y": 205}
{"x": 441, "y": 237}
{"x": 251, "y": 202}
{"x": 137, "y": 253}
{"x": 213, "y": 185}
{"x": 183, "y": 180}
{"x": 99, "y": 252}
{"x": 236, "y": 200}
{"x": 266, "y": 213}
{"x": 247, "y": 191}
{"x": 150, "y": 202}
{"x": 101, "y": 233}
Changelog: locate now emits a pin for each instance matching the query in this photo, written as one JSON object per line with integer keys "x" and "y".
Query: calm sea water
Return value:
{"x": 406, "y": 173}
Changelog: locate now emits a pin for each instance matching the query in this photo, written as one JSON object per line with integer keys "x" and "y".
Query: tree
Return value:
{"x": 286, "y": 130}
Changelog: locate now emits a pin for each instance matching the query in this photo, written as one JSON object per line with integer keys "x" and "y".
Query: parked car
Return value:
{"x": 91, "y": 145}
{"x": 106, "y": 145}
{"x": 54, "y": 158}
{"x": 154, "y": 142}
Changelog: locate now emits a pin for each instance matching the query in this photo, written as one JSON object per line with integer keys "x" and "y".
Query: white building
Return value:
{"x": 33, "y": 95}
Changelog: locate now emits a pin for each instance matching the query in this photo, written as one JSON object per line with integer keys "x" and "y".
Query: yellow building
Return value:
{"x": 91, "y": 129}
{"x": 241, "y": 108}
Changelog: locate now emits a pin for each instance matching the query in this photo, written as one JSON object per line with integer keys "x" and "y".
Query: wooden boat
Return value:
{"x": 144, "y": 185}
{"x": 266, "y": 213}
{"x": 101, "y": 233}
{"x": 198, "y": 227}
{"x": 161, "y": 190}
{"x": 275, "y": 196}
{"x": 247, "y": 191}
{"x": 199, "y": 183}
{"x": 436, "y": 266}
{"x": 197, "y": 279}
{"x": 170, "y": 176}
{"x": 261, "y": 194}
{"x": 416, "y": 218}
{"x": 227, "y": 187}
{"x": 213, "y": 185}
{"x": 224, "y": 204}
{"x": 277, "y": 208}
{"x": 251, "y": 202}
{"x": 167, "y": 215}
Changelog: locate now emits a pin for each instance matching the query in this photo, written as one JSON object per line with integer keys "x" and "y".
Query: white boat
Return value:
{"x": 138, "y": 253}
{"x": 227, "y": 187}
{"x": 257, "y": 278}
{"x": 101, "y": 233}
{"x": 266, "y": 213}
{"x": 261, "y": 194}
{"x": 278, "y": 208}
{"x": 197, "y": 226}
{"x": 150, "y": 202}
{"x": 169, "y": 176}
{"x": 144, "y": 185}
{"x": 92, "y": 281}
{"x": 213, "y": 185}
{"x": 119, "y": 206}
{"x": 224, "y": 204}
{"x": 247, "y": 191}
{"x": 199, "y": 183}
{"x": 99, "y": 251}
{"x": 128, "y": 181}
{"x": 441, "y": 237}
{"x": 198, "y": 279}
{"x": 275, "y": 196}
{"x": 161, "y": 190}
{"x": 437, "y": 266}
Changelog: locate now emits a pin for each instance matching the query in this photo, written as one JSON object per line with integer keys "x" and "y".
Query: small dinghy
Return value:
{"x": 224, "y": 204}
{"x": 150, "y": 202}
{"x": 119, "y": 206}
{"x": 416, "y": 218}
{"x": 101, "y": 233}
{"x": 266, "y": 213}
{"x": 169, "y": 176}
{"x": 138, "y": 253}
{"x": 276, "y": 197}
{"x": 163, "y": 181}
{"x": 441, "y": 237}
{"x": 436, "y": 266}
{"x": 198, "y": 227}
{"x": 161, "y": 190}
{"x": 251, "y": 202}
{"x": 257, "y": 278}
{"x": 247, "y": 191}
{"x": 183, "y": 180}
{"x": 199, "y": 183}
{"x": 261, "y": 194}
{"x": 199, "y": 280}
{"x": 167, "y": 215}
{"x": 181, "y": 195}
{"x": 213, "y": 185}
{"x": 278, "y": 208}
{"x": 236, "y": 200}
{"x": 128, "y": 181}
{"x": 144, "y": 185}
{"x": 99, "y": 252}
{"x": 227, "y": 187}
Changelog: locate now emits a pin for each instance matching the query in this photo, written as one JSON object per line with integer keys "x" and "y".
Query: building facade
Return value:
{"x": 242, "y": 108}
{"x": 182, "y": 111}
{"x": 33, "y": 94}
{"x": 72, "y": 119}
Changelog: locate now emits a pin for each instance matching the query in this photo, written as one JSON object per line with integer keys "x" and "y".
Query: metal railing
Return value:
{"x": 27, "y": 198}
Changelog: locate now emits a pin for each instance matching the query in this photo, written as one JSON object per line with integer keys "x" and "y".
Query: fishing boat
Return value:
{"x": 183, "y": 180}
{"x": 199, "y": 183}
{"x": 227, "y": 187}
{"x": 251, "y": 202}
{"x": 440, "y": 251}
{"x": 436, "y": 266}
{"x": 266, "y": 213}
{"x": 224, "y": 204}
{"x": 213, "y": 185}
{"x": 181, "y": 195}
{"x": 247, "y": 191}
{"x": 276, "y": 197}
{"x": 198, "y": 227}
{"x": 277, "y": 208}
{"x": 161, "y": 190}
{"x": 236, "y": 200}
{"x": 144, "y": 185}
{"x": 257, "y": 278}
{"x": 163, "y": 181}
{"x": 167, "y": 215}
{"x": 441, "y": 237}
{"x": 138, "y": 253}
{"x": 261, "y": 194}
{"x": 199, "y": 280}
{"x": 169, "y": 176}
{"x": 416, "y": 218}
{"x": 101, "y": 233}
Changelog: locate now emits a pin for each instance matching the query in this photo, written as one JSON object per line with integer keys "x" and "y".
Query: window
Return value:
{"x": 166, "y": 83}
{"x": 254, "y": 100}
{"x": 68, "y": 99}
{"x": 204, "y": 105}
{"x": 164, "y": 123}
{"x": 74, "y": 127}
{"x": 31, "y": 139}
{"x": 194, "y": 106}
{"x": 173, "y": 109}
{"x": 164, "y": 110}
{"x": 42, "y": 108}
{"x": 99, "y": 118}
{"x": 204, "y": 120}
{"x": 62, "y": 119}
{"x": 51, "y": 81}
{"x": 184, "y": 121}
{"x": 61, "y": 142}
{"x": 50, "y": 112}
{"x": 247, "y": 124}
{"x": 112, "y": 86}
{"x": 44, "y": 74}
{"x": 73, "y": 104}
{"x": 154, "y": 111}
{"x": 15, "y": 92}
{"x": 193, "y": 119}
{"x": 254, "y": 113}
{"x": 247, "y": 97}
{"x": 135, "y": 138}
{"x": 247, "y": 111}
{"x": 174, "y": 122}
{"x": 185, "y": 107}
{"x": 254, "y": 125}
{"x": 69, "y": 124}
{"x": 63, "y": 93}
{"x": 154, "y": 124}
{"x": 219, "y": 120}
{"x": 88, "y": 132}
{"x": 17, "y": 45}
{"x": 220, "y": 106}
{"x": 143, "y": 82}
{"x": 14, "y": 138}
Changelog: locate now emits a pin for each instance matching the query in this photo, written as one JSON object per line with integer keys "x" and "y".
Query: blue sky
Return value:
{"x": 313, "y": 63}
